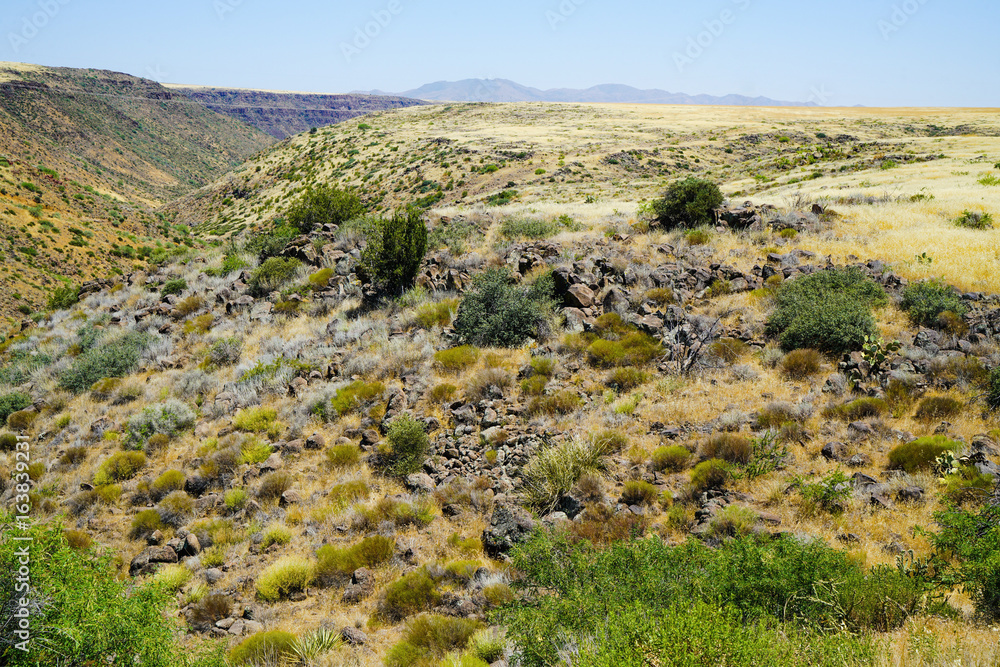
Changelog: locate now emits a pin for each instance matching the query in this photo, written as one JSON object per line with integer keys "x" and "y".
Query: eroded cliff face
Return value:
{"x": 283, "y": 114}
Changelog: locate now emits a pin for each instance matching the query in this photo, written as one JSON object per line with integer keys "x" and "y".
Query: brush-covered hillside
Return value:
{"x": 544, "y": 432}
{"x": 86, "y": 158}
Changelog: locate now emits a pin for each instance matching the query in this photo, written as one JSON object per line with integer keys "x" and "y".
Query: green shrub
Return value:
{"x": 698, "y": 237}
{"x": 407, "y": 446}
{"x": 172, "y": 577}
{"x": 320, "y": 279}
{"x": 728, "y": 447}
{"x": 560, "y": 403}
{"x": 774, "y": 415}
{"x": 118, "y": 467}
{"x": 437, "y": 314}
{"x": 993, "y": 390}
{"x": 343, "y": 456}
{"x": 732, "y": 521}
{"x": 710, "y": 474}
{"x": 970, "y": 540}
{"x": 176, "y": 508}
{"x": 64, "y": 297}
{"x": 497, "y": 313}
{"x": 411, "y": 594}
{"x": 168, "y": 418}
{"x": 276, "y": 534}
{"x": 637, "y": 492}
{"x": 273, "y": 485}
{"x": 688, "y": 203}
{"x": 856, "y": 410}
{"x": 354, "y": 395}
{"x": 829, "y": 311}
{"x": 270, "y": 647}
{"x": 8, "y": 443}
{"x": 172, "y": 480}
{"x": 394, "y": 251}
{"x": 429, "y": 637}
{"x": 457, "y": 358}
{"x": 13, "y": 402}
{"x": 324, "y": 205}
{"x": 401, "y": 513}
{"x": 274, "y": 273}
{"x": 257, "y": 420}
{"x": 285, "y": 576}
{"x": 921, "y": 453}
{"x": 145, "y": 523}
{"x": 529, "y": 228}
{"x": 829, "y": 493}
{"x": 800, "y": 364}
{"x": 21, "y": 420}
{"x": 90, "y": 613}
{"x": 336, "y": 564}
{"x": 173, "y": 287}
{"x": 114, "y": 358}
{"x": 224, "y": 352}
{"x": 926, "y": 300}
{"x": 750, "y": 601}
{"x": 672, "y": 458}
{"x": 975, "y": 220}
{"x": 235, "y": 499}
{"x": 935, "y": 408}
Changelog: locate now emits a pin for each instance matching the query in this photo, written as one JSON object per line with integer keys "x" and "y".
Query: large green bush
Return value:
{"x": 64, "y": 297}
{"x": 921, "y": 453}
{"x": 406, "y": 446}
{"x": 82, "y": 613}
{"x": 969, "y": 544}
{"x": 272, "y": 275}
{"x": 830, "y": 311}
{"x": 394, "y": 250}
{"x": 324, "y": 205}
{"x": 270, "y": 647}
{"x": 926, "y": 300}
{"x": 115, "y": 358}
{"x": 688, "y": 203}
{"x": 11, "y": 403}
{"x": 630, "y": 596}
{"x": 498, "y": 313}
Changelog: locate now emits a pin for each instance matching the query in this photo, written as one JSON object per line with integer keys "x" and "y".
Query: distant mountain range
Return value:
{"x": 503, "y": 90}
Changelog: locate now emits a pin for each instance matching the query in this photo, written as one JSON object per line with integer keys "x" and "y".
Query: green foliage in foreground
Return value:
{"x": 830, "y": 311}
{"x": 752, "y": 601}
{"x": 688, "y": 203}
{"x": 970, "y": 542}
{"x": 80, "y": 613}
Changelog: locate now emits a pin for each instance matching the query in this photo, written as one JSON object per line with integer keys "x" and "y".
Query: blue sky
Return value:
{"x": 871, "y": 52}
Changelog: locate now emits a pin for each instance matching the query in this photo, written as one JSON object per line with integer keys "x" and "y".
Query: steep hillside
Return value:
{"x": 87, "y": 157}
{"x": 282, "y": 114}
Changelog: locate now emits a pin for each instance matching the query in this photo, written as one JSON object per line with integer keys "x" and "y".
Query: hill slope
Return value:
{"x": 97, "y": 152}
{"x": 504, "y": 90}
{"x": 281, "y": 114}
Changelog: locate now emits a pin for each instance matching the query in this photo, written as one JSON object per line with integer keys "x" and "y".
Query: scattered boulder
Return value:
{"x": 509, "y": 526}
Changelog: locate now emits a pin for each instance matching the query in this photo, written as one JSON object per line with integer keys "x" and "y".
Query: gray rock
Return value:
{"x": 147, "y": 561}
{"x": 910, "y": 494}
{"x": 213, "y": 575}
{"x": 419, "y": 481}
{"x": 580, "y": 296}
{"x": 353, "y": 636}
{"x": 834, "y": 451}
{"x": 509, "y": 525}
